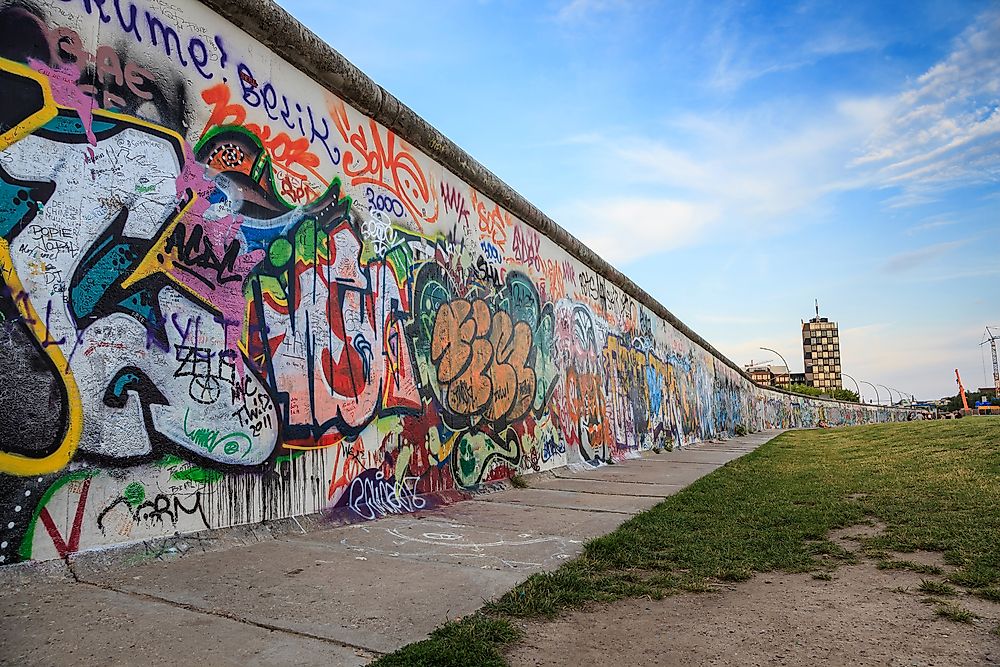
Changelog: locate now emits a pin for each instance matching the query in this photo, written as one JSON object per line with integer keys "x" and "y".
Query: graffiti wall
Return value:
{"x": 226, "y": 297}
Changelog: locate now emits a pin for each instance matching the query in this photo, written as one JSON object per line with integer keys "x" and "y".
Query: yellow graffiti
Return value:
{"x": 158, "y": 260}
{"x": 17, "y": 464}
{"x": 44, "y": 114}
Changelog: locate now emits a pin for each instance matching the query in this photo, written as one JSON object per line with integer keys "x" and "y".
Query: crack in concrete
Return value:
{"x": 583, "y": 478}
{"x": 608, "y": 493}
{"x": 514, "y": 503}
{"x": 220, "y": 614}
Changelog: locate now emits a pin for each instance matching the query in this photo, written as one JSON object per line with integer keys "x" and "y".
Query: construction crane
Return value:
{"x": 991, "y": 338}
{"x": 961, "y": 392}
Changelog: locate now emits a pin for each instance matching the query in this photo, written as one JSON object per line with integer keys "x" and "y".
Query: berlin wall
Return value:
{"x": 240, "y": 282}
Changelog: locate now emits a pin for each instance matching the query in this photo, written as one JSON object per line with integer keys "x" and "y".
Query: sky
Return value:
{"x": 738, "y": 160}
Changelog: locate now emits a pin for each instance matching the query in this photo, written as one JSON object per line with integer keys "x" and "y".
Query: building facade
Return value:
{"x": 769, "y": 376}
{"x": 821, "y": 353}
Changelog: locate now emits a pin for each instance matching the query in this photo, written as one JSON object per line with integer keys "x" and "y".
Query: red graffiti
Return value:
{"x": 280, "y": 146}
{"x": 381, "y": 158}
{"x": 493, "y": 223}
{"x": 526, "y": 245}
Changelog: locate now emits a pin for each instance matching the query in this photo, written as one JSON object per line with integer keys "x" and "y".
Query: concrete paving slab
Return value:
{"x": 593, "y": 484}
{"x": 575, "y": 523}
{"x": 679, "y": 460}
{"x": 77, "y": 624}
{"x": 645, "y": 471}
{"x": 369, "y": 601}
{"x": 593, "y": 502}
{"x": 721, "y": 448}
{"x": 408, "y": 538}
{"x": 326, "y": 597}
{"x": 700, "y": 456}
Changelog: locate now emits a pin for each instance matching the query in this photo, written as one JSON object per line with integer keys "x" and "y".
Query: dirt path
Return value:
{"x": 863, "y": 616}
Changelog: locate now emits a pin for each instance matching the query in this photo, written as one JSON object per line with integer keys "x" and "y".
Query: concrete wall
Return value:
{"x": 230, "y": 296}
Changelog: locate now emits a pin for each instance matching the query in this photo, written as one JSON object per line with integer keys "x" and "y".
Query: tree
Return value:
{"x": 839, "y": 394}
{"x": 846, "y": 395}
{"x": 955, "y": 402}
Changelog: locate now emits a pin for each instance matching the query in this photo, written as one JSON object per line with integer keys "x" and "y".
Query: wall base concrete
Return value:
{"x": 331, "y": 595}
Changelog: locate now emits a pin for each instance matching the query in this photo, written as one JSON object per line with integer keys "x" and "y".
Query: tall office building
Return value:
{"x": 821, "y": 352}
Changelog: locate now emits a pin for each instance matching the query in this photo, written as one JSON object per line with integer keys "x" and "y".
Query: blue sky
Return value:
{"x": 736, "y": 159}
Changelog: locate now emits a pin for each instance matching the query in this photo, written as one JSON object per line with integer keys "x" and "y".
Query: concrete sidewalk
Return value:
{"x": 329, "y": 596}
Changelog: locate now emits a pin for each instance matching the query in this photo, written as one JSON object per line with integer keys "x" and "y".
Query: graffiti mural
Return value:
{"x": 226, "y": 296}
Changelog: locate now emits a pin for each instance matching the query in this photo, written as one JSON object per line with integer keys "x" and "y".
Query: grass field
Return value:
{"x": 935, "y": 486}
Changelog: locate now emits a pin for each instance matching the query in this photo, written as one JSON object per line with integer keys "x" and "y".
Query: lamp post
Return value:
{"x": 902, "y": 396}
{"x": 855, "y": 384}
{"x": 878, "y": 399}
{"x": 888, "y": 392}
{"x": 783, "y": 359}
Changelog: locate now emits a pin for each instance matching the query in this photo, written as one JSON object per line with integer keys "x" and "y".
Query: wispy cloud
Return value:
{"x": 966, "y": 274}
{"x": 936, "y": 222}
{"x": 910, "y": 260}
{"x": 922, "y": 365}
{"x": 763, "y": 166}
{"x": 944, "y": 129}
{"x": 743, "y": 175}
{"x": 747, "y": 51}
{"x": 731, "y": 319}
{"x": 579, "y": 10}
{"x": 622, "y": 229}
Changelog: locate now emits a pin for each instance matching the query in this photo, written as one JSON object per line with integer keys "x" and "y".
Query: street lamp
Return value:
{"x": 902, "y": 396}
{"x": 878, "y": 399}
{"x": 888, "y": 392}
{"x": 779, "y": 354}
{"x": 855, "y": 384}
{"x": 783, "y": 359}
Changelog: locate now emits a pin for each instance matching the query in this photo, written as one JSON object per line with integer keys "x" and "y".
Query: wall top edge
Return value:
{"x": 281, "y": 32}
{"x": 278, "y": 30}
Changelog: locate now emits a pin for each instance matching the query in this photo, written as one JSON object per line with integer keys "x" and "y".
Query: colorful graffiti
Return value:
{"x": 226, "y": 297}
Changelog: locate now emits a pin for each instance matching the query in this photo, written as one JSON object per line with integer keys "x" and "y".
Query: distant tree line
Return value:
{"x": 955, "y": 402}
{"x": 839, "y": 394}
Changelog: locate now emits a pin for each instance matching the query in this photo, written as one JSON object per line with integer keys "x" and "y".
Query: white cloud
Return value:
{"x": 943, "y": 130}
{"x": 912, "y": 259}
{"x": 964, "y": 275}
{"x": 744, "y": 55}
{"x": 746, "y": 174}
{"x": 923, "y": 365}
{"x": 623, "y": 229}
{"x": 769, "y": 167}
{"x": 936, "y": 222}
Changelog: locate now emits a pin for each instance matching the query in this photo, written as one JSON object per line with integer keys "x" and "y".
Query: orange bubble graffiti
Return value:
{"x": 482, "y": 361}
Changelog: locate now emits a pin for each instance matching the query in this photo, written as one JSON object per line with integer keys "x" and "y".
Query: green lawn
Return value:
{"x": 936, "y": 486}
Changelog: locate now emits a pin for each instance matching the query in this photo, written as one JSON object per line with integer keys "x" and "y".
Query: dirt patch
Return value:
{"x": 929, "y": 558}
{"x": 863, "y": 616}
{"x": 850, "y": 538}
